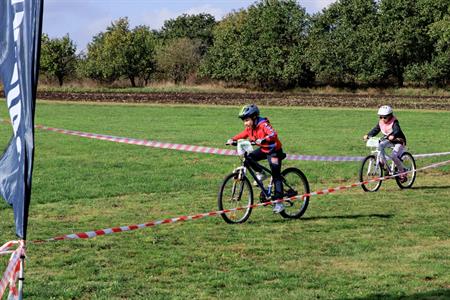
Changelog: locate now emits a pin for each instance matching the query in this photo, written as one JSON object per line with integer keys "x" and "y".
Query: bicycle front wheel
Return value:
{"x": 370, "y": 170}
{"x": 410, "y": 166}
{"x": 235, "y": 198}
{"x": 294, "y": 184}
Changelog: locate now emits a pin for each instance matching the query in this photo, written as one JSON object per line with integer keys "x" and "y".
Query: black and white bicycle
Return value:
{"x": 237, "y": 192}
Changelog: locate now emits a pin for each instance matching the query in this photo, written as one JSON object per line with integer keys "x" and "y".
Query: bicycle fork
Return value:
{"x": 242, "y": 171}
{"x": 238, "y": 183}
{"x": 371, "y": 168}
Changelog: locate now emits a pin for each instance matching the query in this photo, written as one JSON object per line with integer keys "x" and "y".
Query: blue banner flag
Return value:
{"x": 20, "y": 34}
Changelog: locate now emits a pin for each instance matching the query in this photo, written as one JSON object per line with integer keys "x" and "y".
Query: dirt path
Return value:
{"x": 280, "y": 99}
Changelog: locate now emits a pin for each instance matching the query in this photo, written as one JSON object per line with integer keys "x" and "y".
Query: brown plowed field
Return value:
{"x": 278, "y": 99}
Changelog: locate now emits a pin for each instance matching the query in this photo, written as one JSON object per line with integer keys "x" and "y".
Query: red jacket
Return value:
{"x": 262, "y": 130}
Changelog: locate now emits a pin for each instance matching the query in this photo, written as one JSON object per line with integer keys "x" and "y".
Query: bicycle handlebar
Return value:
{"x": 234, "y": 143}
{"x": 385, "y": 138}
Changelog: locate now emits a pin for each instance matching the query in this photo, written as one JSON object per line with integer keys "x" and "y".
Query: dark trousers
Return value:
{"x": 274, "y": 160}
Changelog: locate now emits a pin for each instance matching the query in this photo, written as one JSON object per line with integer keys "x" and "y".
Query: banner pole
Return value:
{"x": 21, "y": 278}
{"x": 22, "y": 272}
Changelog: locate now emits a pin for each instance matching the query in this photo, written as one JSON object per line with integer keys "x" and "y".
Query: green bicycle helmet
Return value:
{"x": 249, "y": 111}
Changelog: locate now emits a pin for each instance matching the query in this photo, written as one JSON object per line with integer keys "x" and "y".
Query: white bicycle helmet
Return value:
{"x": 385, "y": 110}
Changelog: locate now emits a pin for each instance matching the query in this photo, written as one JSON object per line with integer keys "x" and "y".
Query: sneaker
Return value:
{"x": 279, "y": 207}
{"x": 261, "y": 176}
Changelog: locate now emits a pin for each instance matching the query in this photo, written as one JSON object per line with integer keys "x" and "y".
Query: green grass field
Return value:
{"x": 393, "y": 244}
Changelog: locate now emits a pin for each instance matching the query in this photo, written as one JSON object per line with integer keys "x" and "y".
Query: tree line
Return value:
{"x": 272, "y": 44}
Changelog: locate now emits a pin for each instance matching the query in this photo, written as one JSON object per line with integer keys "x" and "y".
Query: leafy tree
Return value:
{"x": 140, "y": 55}
{"x": 367, "y": 41}
{"x": 179, "y": 58}
{"x": 404, "y": 39}
{"x": 343, "y": 47}
{"x": 263, "y": 45}
{"x": 439, "y": 72}
{"x": 105, "y": 57}
{"x": 435, "y": 70}
{"x": 58, "y": 57}
{"x": 274, "y": 39}
{"x": 194, "y": 27}
{"x": 121, "y": 52}
{"x": 224, "y": 59}
{"x": 93, "y": 61}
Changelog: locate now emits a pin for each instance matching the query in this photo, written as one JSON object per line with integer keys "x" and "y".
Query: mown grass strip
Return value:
{"x": 349, "y": 245}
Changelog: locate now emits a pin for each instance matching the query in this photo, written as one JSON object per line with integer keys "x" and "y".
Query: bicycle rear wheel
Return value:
{"x": 235, "y": 195}
{"x": 370, "y": 170}
{"x": 294, "y": 184}
{"x": 410, "y": 165}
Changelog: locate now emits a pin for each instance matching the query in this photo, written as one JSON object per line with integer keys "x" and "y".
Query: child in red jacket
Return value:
{"x": 258, "y": 130}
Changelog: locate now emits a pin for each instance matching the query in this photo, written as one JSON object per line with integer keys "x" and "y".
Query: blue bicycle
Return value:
{"x": 237, "y": 192}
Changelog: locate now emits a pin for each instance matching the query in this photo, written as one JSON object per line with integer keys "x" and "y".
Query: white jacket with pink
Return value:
{"x": 390, "y": 128}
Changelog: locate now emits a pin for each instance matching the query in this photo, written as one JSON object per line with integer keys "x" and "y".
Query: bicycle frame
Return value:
{"x": 390, "y": 167}
{"x": 242, "y": 170}
{"x": 246, "y": 167}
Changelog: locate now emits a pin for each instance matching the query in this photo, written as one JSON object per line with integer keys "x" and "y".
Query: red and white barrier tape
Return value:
{"x": 91, "y": 234}
{"x": 431, "y": 154}
{"x": 323, "y": 158}
{"x": 4, "y": 249}
{"x": 202, "y": 149}
{"x": 12, "y": 270}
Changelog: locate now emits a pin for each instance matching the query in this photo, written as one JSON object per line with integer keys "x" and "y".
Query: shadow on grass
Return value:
{"x": 281, "y": 220}
{"x": 430, "y": 187}
{"x": 382, "y": 216}
{"x": 433, "y": 295}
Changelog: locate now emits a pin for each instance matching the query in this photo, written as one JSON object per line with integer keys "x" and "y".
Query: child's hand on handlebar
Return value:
{"x": 259, "y": 141}
{"x": 230, "y": 142}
